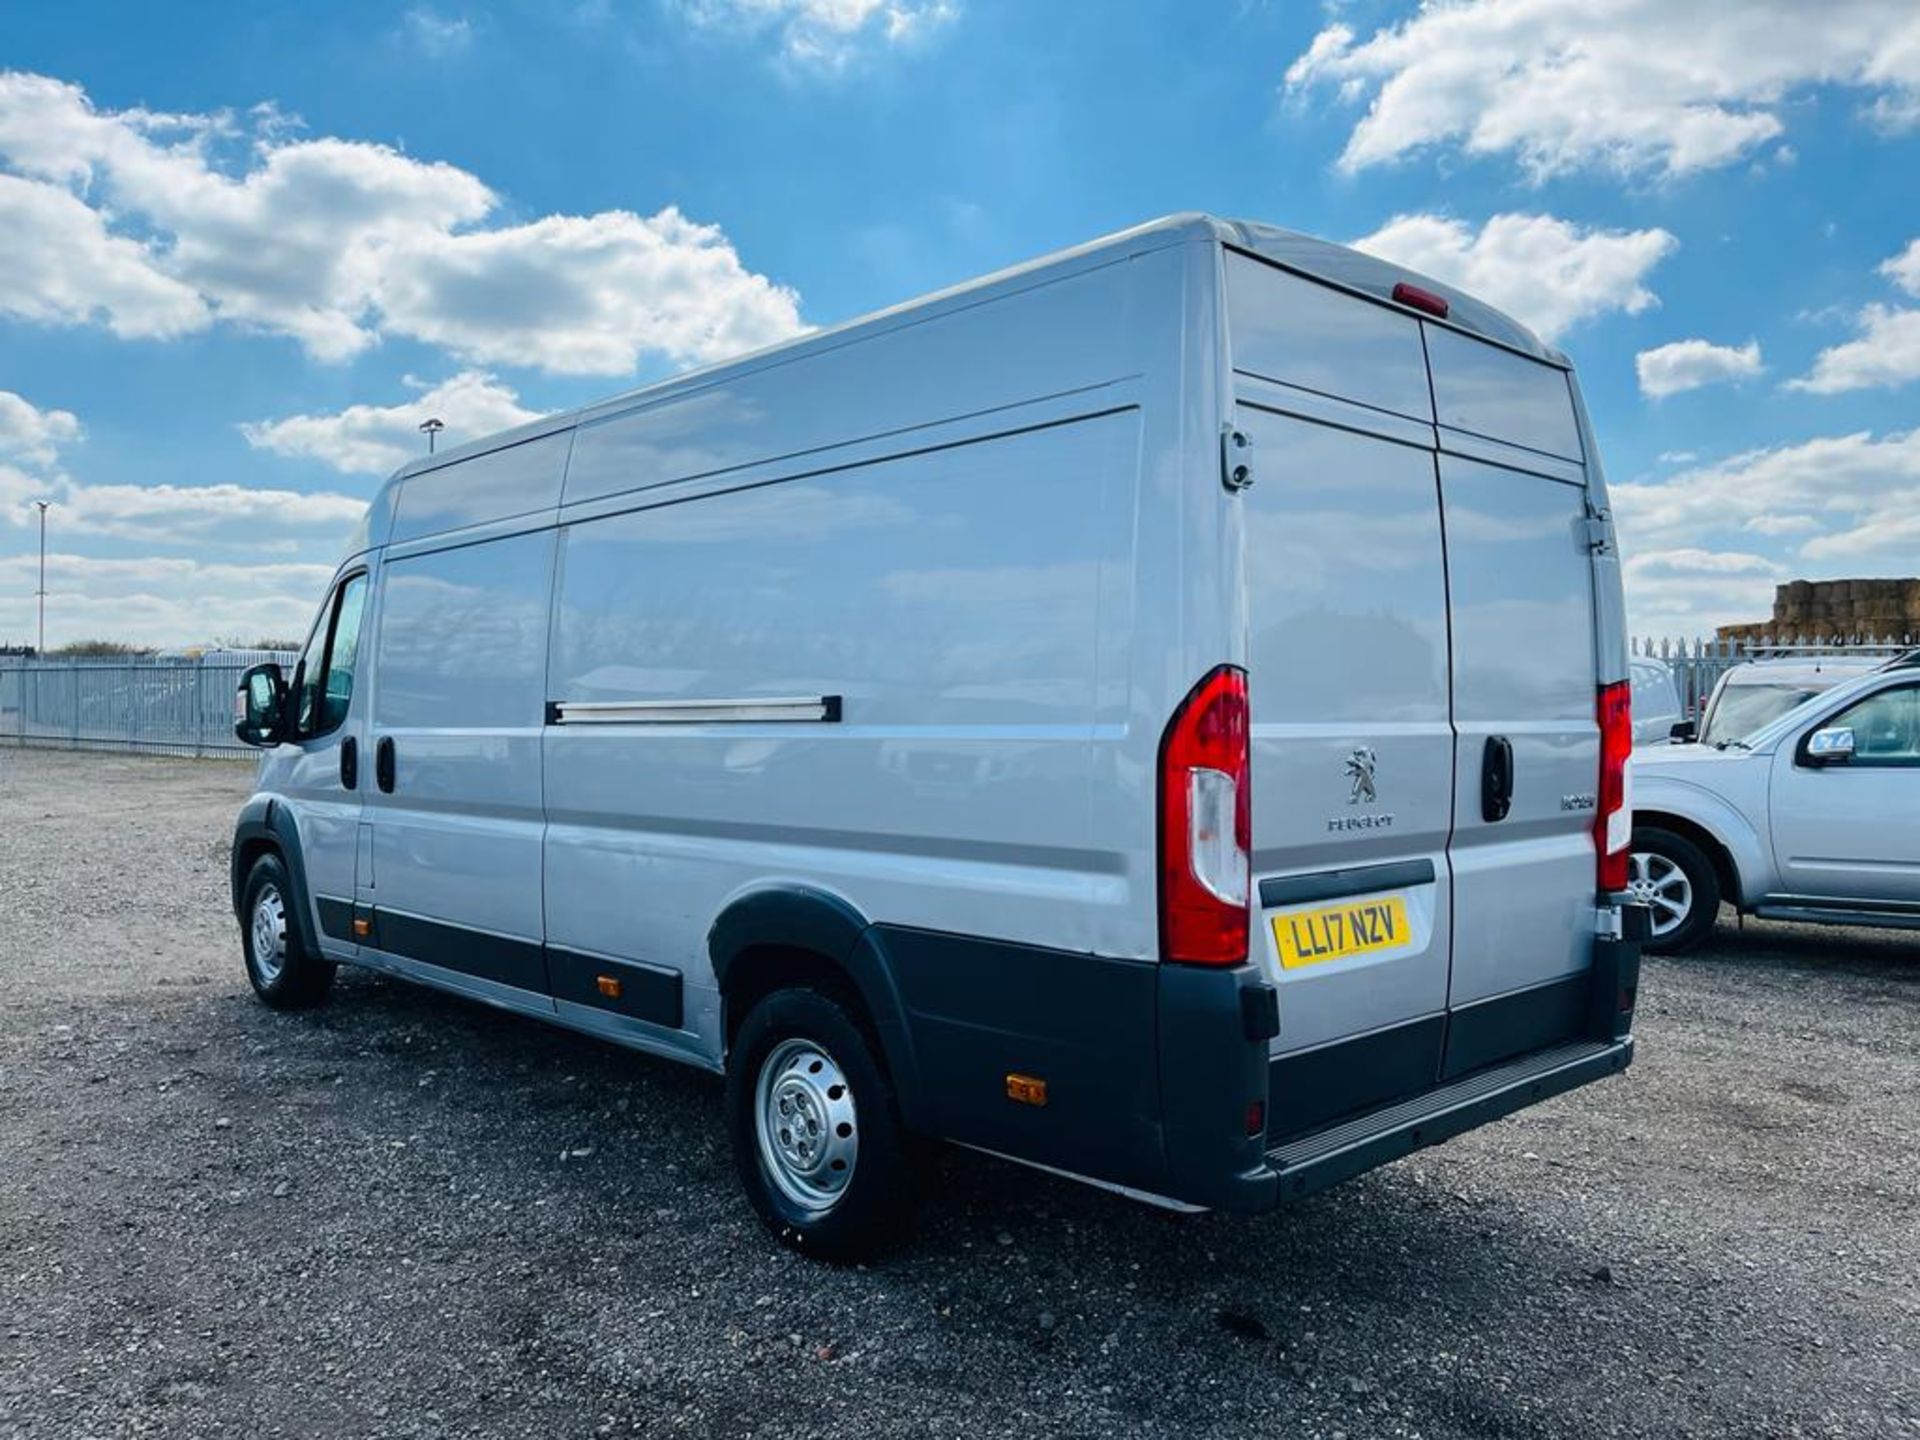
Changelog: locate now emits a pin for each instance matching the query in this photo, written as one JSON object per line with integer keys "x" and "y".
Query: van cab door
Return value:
{"x": 1521, "y": 583}
{"x": 454, "y": 785}
{"x": 318, "y": 769}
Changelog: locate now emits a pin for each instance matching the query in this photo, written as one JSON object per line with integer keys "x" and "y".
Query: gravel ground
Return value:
{"x": 408, "y": 1215}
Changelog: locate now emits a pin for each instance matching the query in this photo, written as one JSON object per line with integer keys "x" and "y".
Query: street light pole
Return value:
{"x": 431, "y": 428}
{"x": 42, "y": 591}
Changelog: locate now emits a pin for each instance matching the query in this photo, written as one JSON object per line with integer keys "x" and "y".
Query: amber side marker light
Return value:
{"x": 362, "y": 927}
{"x": 1027, "y": 1089}
{"x": 609, "y": 986}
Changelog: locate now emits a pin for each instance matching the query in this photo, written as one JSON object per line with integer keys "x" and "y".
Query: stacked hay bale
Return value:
{"x": 1809, "y": 612}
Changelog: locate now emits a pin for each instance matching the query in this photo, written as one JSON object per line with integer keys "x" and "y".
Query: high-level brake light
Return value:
{"x": 1414, "y": 296}
{"x": 1206, "y": 827}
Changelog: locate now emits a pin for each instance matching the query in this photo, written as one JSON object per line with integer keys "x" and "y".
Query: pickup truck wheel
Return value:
{"x": 817, "y": 1137}
{"x": 282, "y": 973}
{"x": 1673, "y": 876}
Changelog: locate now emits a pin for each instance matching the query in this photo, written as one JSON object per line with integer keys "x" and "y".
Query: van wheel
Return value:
{"x": 282, "y": 972}
{"x": 816, "y": 1130}
{"x": 1673, "y": 876}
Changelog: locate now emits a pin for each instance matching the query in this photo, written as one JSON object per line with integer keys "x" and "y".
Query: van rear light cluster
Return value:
{"x": 1206, "y": 824}
{"x": 1613, "y": 825}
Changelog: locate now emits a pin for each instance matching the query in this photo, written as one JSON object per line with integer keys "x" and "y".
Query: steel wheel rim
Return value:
{"x": 269, "y": 934}
{"x": 1659, "y": 883}
{"x": 805, "y": 1126}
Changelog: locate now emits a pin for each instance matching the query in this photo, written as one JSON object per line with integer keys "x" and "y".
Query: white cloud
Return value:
{"x": 378, "y": 439}
{"x": 273, "y": 519}
{"x": 586, "y": 294}
{"x": 33, "y": 436}
{"x": 1547, "y": 272}
{"x": 1632, "y": 86}
{"x": 437, "y": 36}
{"x": 1851, "y": 496}
{"x": 158, "y": 600}
{"x": 1904, "y": 269}
{"x": 1781, "y": 524}
{"x": 64, "y": 268}
{"x": 826, "y": 34}
{"x": 1886, "y": 353}
{"x": 336, "y": 242}
{"x": 1689, "y": 364}
{"x": 1687, "y": 591}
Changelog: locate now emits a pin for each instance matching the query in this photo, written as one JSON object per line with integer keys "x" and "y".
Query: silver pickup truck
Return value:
{"x": 1813, "y": 816}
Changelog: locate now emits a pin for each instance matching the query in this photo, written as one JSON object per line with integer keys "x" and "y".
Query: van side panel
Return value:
{"x": 951, "y": 600}
{"x": 1073, "y": 334}
{"x": 518, "y": 480}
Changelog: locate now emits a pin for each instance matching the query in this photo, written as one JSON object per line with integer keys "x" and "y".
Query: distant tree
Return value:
{"x": 237, "y": 642}
{"x": 100, "y": 649}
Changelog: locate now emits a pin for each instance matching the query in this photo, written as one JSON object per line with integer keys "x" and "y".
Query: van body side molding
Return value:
{"x": 684, "y": 712}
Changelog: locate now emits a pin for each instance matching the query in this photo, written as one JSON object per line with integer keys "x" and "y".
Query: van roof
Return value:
{"x": 1323, "y": 260}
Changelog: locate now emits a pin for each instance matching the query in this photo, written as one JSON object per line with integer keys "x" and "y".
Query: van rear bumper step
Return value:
{"x": 1313, "y": 1162}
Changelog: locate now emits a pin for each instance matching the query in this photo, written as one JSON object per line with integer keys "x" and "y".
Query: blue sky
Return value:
{"x": 243, "y": 250}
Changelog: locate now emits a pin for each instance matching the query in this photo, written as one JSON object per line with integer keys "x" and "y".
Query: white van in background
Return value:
{"x": 1656, "y": 701}
{"x": 1159, "y": 713}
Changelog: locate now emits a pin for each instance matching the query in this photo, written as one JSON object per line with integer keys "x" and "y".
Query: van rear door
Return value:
{"x": 1520, "y": 578}
{"x": 1353, "y": 750}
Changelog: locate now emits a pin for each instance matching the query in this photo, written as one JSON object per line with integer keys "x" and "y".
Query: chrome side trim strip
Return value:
{"x": 688, "y": 712}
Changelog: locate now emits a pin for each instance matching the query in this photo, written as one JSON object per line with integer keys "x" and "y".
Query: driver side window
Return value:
{"x": 324, "y": 676}
{"x": 1886, "y": 727}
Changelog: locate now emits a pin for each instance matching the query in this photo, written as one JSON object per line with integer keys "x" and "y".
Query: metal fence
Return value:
{"x": 1697, "y": 665}
{"x": 162, "y": 705}
{"x": 183, "y": 705}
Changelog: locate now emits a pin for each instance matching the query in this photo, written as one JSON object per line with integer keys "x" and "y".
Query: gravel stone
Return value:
{"x": 360, "y": 1254}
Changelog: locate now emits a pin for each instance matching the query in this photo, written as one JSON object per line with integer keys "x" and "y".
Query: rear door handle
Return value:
{"x": 349, "y": 763}
{"x": 1496, "y": 779}
{"x": 383, "y": 764}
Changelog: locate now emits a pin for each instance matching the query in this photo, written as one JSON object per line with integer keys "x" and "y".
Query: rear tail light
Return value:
{"x": 1613, "y": 825}
{"x": 1206, "y": 827}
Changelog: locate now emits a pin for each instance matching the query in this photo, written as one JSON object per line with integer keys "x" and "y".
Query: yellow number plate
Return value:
{"x": 1311, "y": 937}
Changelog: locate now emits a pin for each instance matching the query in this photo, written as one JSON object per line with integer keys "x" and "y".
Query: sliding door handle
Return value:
{"x": 383, "y": 764}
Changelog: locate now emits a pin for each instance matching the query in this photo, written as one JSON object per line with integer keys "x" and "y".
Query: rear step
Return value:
{"x": 1326, "y": 1157}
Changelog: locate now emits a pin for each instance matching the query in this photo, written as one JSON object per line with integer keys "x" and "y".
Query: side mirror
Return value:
{"x": 260, "y": 706}
{"x": 1830, "y": 747}
{"x": 1684, "y": 732}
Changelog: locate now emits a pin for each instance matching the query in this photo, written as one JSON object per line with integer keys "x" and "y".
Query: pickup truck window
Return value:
{"x": 1886, "y": 727}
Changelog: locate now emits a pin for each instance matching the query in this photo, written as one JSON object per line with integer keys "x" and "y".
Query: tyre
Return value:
{"x": 816, "y": 1130}
{"x": 1674, "y": 877}
{"x": 284, "y": 975}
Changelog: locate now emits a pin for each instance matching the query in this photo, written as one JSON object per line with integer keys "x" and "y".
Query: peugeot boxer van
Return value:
{"x": 1158, "y": 714}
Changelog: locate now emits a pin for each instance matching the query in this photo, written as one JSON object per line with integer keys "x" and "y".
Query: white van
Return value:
{"x": 1158, "y": 713}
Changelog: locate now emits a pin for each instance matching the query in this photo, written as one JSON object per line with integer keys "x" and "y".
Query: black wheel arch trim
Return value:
{"x": 265, "y": 824}
{"x": 798, "y": 917}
